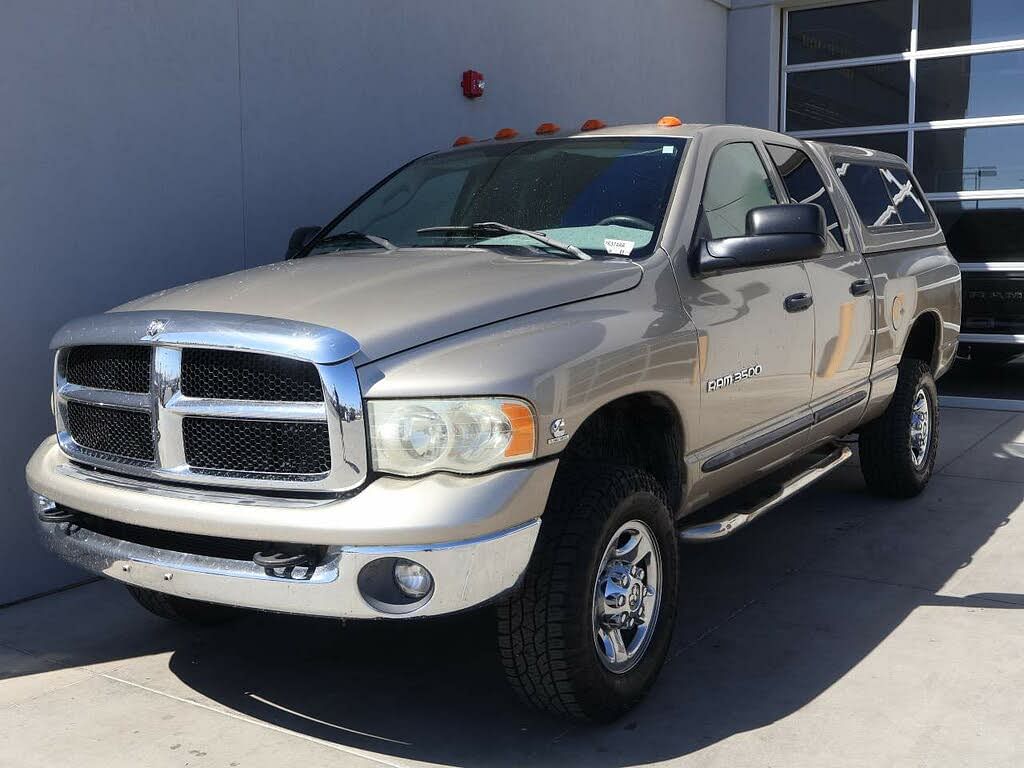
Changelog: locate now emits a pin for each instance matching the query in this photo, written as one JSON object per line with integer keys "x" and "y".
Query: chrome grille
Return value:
{"x": 104, "y": 366}
{"x": 267, "y": 447}
{"x": 112, "y": 431}
{"x": 230, "y": 375}
{"x": 242, "y": 414}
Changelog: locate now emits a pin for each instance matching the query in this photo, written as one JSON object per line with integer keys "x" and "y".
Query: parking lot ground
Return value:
{"x": 841, "y": 630}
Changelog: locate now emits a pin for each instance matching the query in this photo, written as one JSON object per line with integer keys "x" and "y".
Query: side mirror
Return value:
{"x": 776, "y": 234}
{"x": 300, "y": 239}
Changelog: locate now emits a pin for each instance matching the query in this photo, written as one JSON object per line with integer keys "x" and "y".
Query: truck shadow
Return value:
{"x": 771, "y": 619}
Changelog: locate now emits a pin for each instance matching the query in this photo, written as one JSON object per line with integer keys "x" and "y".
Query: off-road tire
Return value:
{"x": 181, "y": 609}
{"x": 885, "y": 457}
{"x": 545, "y": 628}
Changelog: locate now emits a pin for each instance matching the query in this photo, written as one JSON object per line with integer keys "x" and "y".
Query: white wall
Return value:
{"x": 331, "y": 101}
{"x": 149, "y": 143}
{"x": 752, "y": 95}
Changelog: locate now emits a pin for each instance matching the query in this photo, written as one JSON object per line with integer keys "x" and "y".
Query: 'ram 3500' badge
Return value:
{"x": 731, "y": 378}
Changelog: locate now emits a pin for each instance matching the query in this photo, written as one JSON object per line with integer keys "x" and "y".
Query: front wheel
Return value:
{"x": 898, "y": 449}
{"x": 589, "y": 630}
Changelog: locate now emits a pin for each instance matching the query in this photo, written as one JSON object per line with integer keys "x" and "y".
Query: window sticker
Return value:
{"x": 618, "y": 247}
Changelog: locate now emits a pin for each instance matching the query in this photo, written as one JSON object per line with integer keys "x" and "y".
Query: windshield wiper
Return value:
{"x": 490, "y": 227}
{"x": 353, "y": 234}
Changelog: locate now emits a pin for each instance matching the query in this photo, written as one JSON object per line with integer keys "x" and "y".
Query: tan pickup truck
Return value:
{"x": 518, "y": 372}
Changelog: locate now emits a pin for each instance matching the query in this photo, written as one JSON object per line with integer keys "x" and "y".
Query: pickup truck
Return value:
{"x": 515, "y": 373}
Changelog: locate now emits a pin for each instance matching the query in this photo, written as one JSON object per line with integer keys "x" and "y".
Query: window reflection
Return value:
{"x": 893, "y": 143}
{"x": 848, "y": 96}
{"x": 945, "y": 23}
{"x": 970, "y": 159}
{"x": 849, "y": 31}
{"x": 868, "y": 193}
{"x": 970, "y": 86}
{"x": 804, "y": 185}
{"x": 906, "y": 197}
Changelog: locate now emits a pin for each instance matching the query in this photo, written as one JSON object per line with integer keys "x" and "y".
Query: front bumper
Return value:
{"x": 474, "y": 534}
{"x": 465, "y": 573}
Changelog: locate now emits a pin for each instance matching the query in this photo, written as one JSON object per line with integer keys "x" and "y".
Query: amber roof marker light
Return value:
{"x": 547, "y": 128}
{"x": 669, "y": 121}
{"x": 506, "y": 133}
{"x": 462, "y": 141}
{"x": 592, "y": 124}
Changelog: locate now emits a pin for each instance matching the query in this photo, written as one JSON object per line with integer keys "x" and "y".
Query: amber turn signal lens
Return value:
{"x": 462, "y": 141}
{"x": 592, "y": 125}
{"x": 506, "y": 133}
{"x": 670, "y": 121}
{"x": 523, "y": 436}
{"x": 545, "y": 128}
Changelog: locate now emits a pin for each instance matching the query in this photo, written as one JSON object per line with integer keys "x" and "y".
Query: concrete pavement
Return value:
{"x": 841, "y": 630}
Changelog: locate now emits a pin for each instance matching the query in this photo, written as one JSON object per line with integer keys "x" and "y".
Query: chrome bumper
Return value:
{"x": 466, "y": 573}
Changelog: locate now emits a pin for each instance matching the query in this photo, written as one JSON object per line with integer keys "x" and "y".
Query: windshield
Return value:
{"x": 602, "y": 195}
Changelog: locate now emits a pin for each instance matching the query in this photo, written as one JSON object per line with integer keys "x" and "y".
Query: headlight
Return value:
{"x": 413, "y": 437}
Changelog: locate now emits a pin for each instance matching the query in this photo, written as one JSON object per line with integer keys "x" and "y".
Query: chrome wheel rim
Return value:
{"x": 627, "y": 596}
{"x": 920, "y": 428}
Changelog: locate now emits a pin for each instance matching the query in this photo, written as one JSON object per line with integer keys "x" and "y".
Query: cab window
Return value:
{"x": 737, "y": 182}
{"x": 804, "y": 184}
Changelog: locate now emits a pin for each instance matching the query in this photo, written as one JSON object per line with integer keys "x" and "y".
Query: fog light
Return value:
{"x": 413, "y": 579}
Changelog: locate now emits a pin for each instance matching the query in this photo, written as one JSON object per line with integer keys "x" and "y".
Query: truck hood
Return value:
{"x": 391, "y": 301}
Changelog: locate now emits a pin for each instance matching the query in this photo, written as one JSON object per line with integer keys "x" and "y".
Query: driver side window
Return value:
{"x": 737, "y": 182}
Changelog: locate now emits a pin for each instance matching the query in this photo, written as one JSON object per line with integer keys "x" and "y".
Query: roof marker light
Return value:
{"x": 462, "y": 141}
{"x": 506, "y": 133}
{"x": 546, "y": 128}
{"x": 592, "y": 125}
{"x": 670, "y": 121}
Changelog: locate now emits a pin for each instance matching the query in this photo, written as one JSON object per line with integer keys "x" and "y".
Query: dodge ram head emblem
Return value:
{"x": 558, "y": 431}
{"x": 155, "y": 328}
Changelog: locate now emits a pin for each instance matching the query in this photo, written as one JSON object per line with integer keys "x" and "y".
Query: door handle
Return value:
{"x": 798, "y": 302}
{"x": 860, "y": 287}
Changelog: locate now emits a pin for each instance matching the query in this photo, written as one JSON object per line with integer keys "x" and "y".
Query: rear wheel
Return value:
{"x": 589, "y": 630}
{"x": 181, "y": 609}
{"x": 898, "y": 449}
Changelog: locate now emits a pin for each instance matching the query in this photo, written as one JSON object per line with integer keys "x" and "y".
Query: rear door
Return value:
{"x": 843, "y": 295}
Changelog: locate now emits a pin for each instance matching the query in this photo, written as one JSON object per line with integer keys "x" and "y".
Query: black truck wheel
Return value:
{"x": 897, "y": 450}
{"x": 589, "y": 630}
{"x": 181, "y": 609}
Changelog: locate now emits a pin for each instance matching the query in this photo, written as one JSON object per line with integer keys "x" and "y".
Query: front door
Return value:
{"x": 755, "y": 353}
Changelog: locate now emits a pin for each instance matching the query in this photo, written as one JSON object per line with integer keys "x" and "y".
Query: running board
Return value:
{"x": 726, "y": 526}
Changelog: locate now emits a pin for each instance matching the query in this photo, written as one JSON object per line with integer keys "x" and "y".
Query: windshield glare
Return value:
{"x": 603, "y": 195}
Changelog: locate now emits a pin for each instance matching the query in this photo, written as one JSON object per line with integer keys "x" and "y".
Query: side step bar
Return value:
{"x": 726, "y": 526}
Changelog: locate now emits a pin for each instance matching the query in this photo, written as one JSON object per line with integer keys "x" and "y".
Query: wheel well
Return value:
{"x": 922, "y": 341}
{"x": 643, "y": 431}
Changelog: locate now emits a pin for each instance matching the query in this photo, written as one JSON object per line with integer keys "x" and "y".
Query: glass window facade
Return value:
{"x": 822, "y": 99}
{"x": 945, "y": 23}
{"x": 958, "y": 87}
{"x": 946, "y": 94}
{"x": 825, "y": 34}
